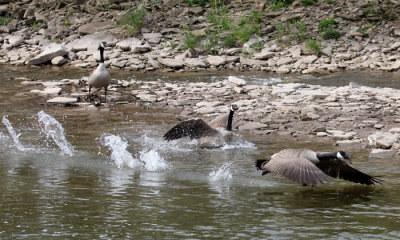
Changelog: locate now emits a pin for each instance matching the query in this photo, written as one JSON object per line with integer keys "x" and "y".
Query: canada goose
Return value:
{"x": 206, "y": 133}
{"x": 307, "y": 167}
{"x": 100, "y": 77}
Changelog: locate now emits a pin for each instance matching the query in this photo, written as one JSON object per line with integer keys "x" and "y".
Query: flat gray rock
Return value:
{"x": 91, "y": 42}
{"x": 50, "y": 52}
{"x": 63, "y": 100}
{"x": 93, "y": 27}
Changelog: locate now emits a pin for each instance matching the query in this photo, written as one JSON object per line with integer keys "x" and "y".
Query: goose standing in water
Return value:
{"x": 212, "y": 134}
{"x": 307, "y": 167}
{"x": 100, "y": 77}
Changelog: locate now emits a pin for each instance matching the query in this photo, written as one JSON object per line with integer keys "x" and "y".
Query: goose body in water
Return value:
{"x": 100, "y": 77}
{"x": 213, "y": 134}
{"x": 307, "y": 167}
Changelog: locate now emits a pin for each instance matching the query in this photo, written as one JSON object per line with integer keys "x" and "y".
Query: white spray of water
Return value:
{"x": 53, "y": 129}
{"x": 153, "y": 161}
{"x": 223, "y": 173}
{"x": 13, "y": 134}
{"x": 119, "y": 154}
{"x": 149, "y": 159}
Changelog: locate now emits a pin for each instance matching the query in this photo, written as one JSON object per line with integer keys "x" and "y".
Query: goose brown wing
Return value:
{"x": 194, "y": 128}
{"x": 338, "y": 168}
{"x": 295, "y": 166}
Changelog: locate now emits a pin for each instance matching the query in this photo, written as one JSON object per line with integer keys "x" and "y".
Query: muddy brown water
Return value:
{"x": 99, "y": 193}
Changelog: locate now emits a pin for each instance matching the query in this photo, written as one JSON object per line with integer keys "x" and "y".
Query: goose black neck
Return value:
{"x": 229, "y": 126}
{"x": 326, "y": 156}
{"x": 101, "y": 55}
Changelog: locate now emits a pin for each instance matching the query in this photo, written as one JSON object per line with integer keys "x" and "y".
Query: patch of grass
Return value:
{"x": 296, "y": 30}
{"x": 257, "y": 46}
{"x": 330, "y": 1}
{"x": 314, "y": 46}
{"x": 133, "y": 20}
{"x": 36, "y": 25}
{"x": 229, "y": 40}
{"x": 196, "y": 2}
{"x": 278, "y": 4}
{"x": 210, "y": 44}
{"x": 191, "y": 41}
{"x": 326, "y": 22}
{"x": 330, "y": 33}
{"x": 5, "y": 20}
{"x": 308, "y": 2}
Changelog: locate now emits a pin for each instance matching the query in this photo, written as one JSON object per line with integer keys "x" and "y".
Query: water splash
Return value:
{"x": 53, "y": 129}
{"x": 13, "y": 134}
{"x": 153, "y": 161}
{"x": 148, "y": 159}
{"x": 119, "y": 154}
{"x": 223, "y": 173}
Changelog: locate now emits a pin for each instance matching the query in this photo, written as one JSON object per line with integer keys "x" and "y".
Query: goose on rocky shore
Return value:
{"x": 307, "y": 167}
{"x": 213, "y": 133}
{"x": 100, "y": 77}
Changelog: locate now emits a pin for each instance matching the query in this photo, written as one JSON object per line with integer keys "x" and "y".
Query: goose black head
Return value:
{"x": 343, "y": 156}
{"x": 103, "y": 45}
{"x": 234, "y": 108}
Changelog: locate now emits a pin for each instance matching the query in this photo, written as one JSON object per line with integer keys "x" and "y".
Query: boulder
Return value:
{"x": 152, "y": 37}
{"x": 237, "y": 81}
{"x": 15, "y": 41}
{"x": 129, "y": 43}
{"x": 171, "y": 62}
{"x": 195, "y": 63}
{"x": 93, "y": 27}
{"x": 383, "y": 140}
{"x": 215, "y": 60}
{"x": 91, "y": 42}
{"x": 50, "y": 52}
{"x": 58, "y": 61}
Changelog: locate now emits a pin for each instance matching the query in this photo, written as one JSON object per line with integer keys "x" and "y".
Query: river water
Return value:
{"x": 68, "y": 173}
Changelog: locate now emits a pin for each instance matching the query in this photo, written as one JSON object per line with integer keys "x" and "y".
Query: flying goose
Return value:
{"x": 307, "y": 167}
{"x": 210, "y": 133}
{"x": 100, "y": 77}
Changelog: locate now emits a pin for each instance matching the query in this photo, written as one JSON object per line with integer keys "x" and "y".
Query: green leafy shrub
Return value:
{"x": 5, "y": 20}
{"x": 327, "y": 22}
{"x": 314, "y": 46}
{"x": 308, "y": 2}
{"x": 196, "y": 2}
{"x": 191, "y": 41}
{"x": 133, "y": 20}
{"x": 330, "y": 33}
{"x": 330, "y": 1}
{"x": 229, "y": 40}
{"x": 277, "y": 4}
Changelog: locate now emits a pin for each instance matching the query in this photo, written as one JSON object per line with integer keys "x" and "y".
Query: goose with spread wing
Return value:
{"x": 213, "y": 133}
{"x": 307, "y": 167}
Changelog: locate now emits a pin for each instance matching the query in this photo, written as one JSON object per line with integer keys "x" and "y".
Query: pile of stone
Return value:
{"x": 349, "y": 115}
{"x": 72, "y": 40}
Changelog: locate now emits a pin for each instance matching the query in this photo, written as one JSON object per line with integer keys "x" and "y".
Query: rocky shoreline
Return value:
{"x": 352, "y": 116}
{"x": 68, "y": 36}
{"x": 44, "y": 34}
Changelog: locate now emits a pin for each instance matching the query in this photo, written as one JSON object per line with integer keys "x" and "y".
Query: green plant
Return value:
{"x": 257, "y": 46}
{"x": 133, "y": 20}
{"x": 314, "y": 46}
{"x": 308, "y": 2}
{"x": 229, "y": 40}
{"x": 326, "y": 22}
{"x": 210, "y": 44}
{"x": 330, "y": 33}
{"x": 190, "y": 41}
{"x": 277, "y": 4}
{"x": 330, "y": 1}
{"x": 196, "y": 2}
{"x": 36, "y": 25}
{"x": 5, "y": 20}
